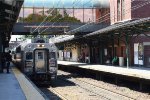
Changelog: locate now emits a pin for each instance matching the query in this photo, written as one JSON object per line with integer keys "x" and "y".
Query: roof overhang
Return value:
{"x": 130, "y": 27}
{"x": 9, "y": 12}
{"x": 140, "y": 25}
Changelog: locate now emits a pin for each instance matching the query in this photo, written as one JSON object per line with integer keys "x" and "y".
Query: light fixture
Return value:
{"x": 38, "y": 45}
{"x": 116, "y": 33}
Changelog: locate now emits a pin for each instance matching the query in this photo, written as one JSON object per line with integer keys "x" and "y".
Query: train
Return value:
{"x": 37, "y": 60}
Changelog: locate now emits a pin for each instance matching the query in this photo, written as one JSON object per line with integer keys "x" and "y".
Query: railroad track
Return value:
{"x": 57, "y": 92}
{"x": 73, "y": 79}
{"x": 67, "y": 82}
{"x": 62, "y": 97}
{"x": 97, "y": 94}
{"x": 108, "y": 90}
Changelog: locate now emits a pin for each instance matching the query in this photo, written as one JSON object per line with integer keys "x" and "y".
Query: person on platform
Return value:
{"x": 83, "y": 56}
{"x": 8, "y": 60}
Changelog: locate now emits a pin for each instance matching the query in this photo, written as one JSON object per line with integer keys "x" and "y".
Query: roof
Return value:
{"x": 123, "y": 26}
{"x": 9, "y": 12}
{"x": 131, "y": 26}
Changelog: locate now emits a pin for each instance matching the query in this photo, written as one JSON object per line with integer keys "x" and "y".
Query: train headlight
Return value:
{"x": 40, "y": 45}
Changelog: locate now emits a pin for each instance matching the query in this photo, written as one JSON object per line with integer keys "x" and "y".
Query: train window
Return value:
{"x": 58, "y": 54}
{"x": 52, "y": 55}
{"x": 29, "y": 55}
{"x": 40, "y": 55}
{"x": 40, "y": 41}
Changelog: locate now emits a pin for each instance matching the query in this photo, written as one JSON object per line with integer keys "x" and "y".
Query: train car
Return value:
{"x": 37, "y": 60}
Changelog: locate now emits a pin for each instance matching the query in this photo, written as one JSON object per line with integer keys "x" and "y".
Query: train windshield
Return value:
{"x": 29, "y": 55}
{"x": 52, "y": 55}
{"x": 40, "y": 55}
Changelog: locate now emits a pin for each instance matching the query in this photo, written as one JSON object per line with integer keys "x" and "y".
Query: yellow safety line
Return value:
{"x": 30, "y": 92}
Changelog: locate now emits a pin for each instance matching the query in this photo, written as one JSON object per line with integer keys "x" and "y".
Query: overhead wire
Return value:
{"x": 46, "y": 17}
{"x": 53, "y": 16}
{"x": 61, "y": 18}
{"x": 70, "y": 32}
{"x": 133, "y": 8}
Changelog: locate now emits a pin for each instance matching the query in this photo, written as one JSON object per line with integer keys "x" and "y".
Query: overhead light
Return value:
{"x": 116, "y": 33}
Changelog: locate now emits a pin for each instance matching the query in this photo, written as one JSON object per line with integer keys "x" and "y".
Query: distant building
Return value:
{"x": 103, "y": 15}
{"x": 122, "y": 10}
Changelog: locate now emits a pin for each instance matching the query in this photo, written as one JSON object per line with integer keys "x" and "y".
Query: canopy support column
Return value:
{"x": 127, "y": 49}
{"x": 113, "y": 46}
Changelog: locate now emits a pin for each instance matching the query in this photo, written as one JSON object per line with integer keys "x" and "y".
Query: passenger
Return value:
{"x": 87, "y": 58}
{"x": 8, "y": 59}
{"x": 114, "y": 61}
{"x": 83, "y": 56}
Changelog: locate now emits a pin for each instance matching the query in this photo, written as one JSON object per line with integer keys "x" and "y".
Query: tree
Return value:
{"x": 34, "y": 18}
{"x": 54, "y": 17}
{"x": 20, "y": 19}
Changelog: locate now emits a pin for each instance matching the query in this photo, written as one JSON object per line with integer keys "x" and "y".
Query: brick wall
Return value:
{"x": 141, "y": 12}
{"x": 102, "y": 12}
{"x": 114, "y": 12}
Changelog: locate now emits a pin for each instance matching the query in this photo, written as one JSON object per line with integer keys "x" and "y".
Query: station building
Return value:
{"x": 130, "y": 10}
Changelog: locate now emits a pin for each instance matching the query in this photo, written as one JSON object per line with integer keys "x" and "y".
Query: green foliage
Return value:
{"x": 54, "y": 17}
{"x": 34, "y": 18}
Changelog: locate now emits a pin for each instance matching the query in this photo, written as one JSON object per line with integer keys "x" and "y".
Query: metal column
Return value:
{"x": 127, "y": 48}
{"x": 113, "y": 47}
{"x": 101, "y": 50}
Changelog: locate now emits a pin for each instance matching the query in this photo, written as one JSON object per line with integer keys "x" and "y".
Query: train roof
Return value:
{"x": 31, "y": 46}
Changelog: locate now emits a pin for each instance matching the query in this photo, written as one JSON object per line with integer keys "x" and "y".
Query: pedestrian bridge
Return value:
{"x": 57, "y": 28}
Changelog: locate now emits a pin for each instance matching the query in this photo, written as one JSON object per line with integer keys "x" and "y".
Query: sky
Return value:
{"x": 13, "y": 38}
{"x": 66, "y": 3}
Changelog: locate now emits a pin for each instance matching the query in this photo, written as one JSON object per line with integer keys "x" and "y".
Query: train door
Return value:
{"x": 41, "y": 60}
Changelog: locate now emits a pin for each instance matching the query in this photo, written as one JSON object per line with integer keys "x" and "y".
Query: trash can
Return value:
{"x": 121, "y": 61}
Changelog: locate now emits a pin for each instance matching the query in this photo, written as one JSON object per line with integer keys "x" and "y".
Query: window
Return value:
{"x": 40, "y": 41}
{"x": 118, "y": 10}
{"x": 52, "y": 55}
{"x": 40, "y": 55}
{"x": 123, "y": 9}
{"x": 28, "y": 55}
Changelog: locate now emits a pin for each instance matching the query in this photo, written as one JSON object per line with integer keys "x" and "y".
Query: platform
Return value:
{"x": 15, "y": 86}
{"x": 137, "y": 72}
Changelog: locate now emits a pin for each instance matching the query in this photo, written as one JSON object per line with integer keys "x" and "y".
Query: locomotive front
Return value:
{"x": 41, "y": 62}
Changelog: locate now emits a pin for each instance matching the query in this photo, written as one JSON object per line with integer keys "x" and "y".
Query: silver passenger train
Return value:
{"x": 37, "y": 60}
